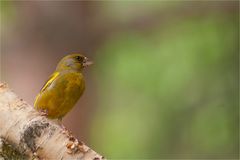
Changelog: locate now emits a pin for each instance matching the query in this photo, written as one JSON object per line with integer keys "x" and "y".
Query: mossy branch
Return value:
{"x": 25, "y": 134}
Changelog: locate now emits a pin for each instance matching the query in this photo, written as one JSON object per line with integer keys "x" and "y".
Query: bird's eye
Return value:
{"x": 79, "y": 58}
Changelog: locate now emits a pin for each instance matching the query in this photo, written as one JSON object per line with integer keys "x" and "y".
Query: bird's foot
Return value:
{"x": 43, "y": 112}
{"x": 64, "y": 129}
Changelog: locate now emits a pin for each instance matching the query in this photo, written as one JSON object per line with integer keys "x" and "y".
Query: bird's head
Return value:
{"x": 73, "y": 62}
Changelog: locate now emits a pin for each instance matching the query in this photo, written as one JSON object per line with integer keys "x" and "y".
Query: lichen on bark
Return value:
{"x": 8, "y": 150}
{"x": 30, "y": 134}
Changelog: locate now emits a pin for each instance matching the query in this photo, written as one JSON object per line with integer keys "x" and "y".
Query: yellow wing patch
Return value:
{"x": 50, "y": 80}
{"x": 47, "y": 84}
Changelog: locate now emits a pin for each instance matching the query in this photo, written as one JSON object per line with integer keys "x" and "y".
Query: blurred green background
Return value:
{"x": 165, "y": 80}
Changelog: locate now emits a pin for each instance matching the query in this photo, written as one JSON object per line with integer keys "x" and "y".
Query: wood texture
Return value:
{"x": 25, "y": 132}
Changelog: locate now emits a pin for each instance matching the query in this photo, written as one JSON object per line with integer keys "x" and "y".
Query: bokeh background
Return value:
{"x": 165, "y": 79}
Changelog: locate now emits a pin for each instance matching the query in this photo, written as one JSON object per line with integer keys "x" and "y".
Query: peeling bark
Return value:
{"x": 25, "y": 134}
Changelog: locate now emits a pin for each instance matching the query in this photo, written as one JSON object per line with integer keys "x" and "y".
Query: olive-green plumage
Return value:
{"x": 64, "y": 87}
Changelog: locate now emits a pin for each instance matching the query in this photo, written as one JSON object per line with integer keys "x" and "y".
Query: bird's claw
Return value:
{"x": 44, "y": 112}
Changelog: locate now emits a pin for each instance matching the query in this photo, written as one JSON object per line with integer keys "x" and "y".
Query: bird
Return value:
{"x": 63, "y": 88}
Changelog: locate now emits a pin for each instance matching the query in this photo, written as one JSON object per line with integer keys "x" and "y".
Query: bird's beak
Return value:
{"x": 86, "y": 62}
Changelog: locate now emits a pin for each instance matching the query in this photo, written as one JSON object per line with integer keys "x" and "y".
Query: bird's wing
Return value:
{"x": 50, "y": 80}
{"x": 46, "y": 85}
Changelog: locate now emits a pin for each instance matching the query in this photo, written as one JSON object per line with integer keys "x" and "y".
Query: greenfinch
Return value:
{"x": 63, "y": 88}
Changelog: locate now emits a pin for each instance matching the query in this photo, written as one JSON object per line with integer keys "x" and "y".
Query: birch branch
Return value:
{"x": 25, "y": 134}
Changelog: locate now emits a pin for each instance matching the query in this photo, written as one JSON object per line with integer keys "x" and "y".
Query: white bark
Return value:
{"x": 34, "y": 136}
